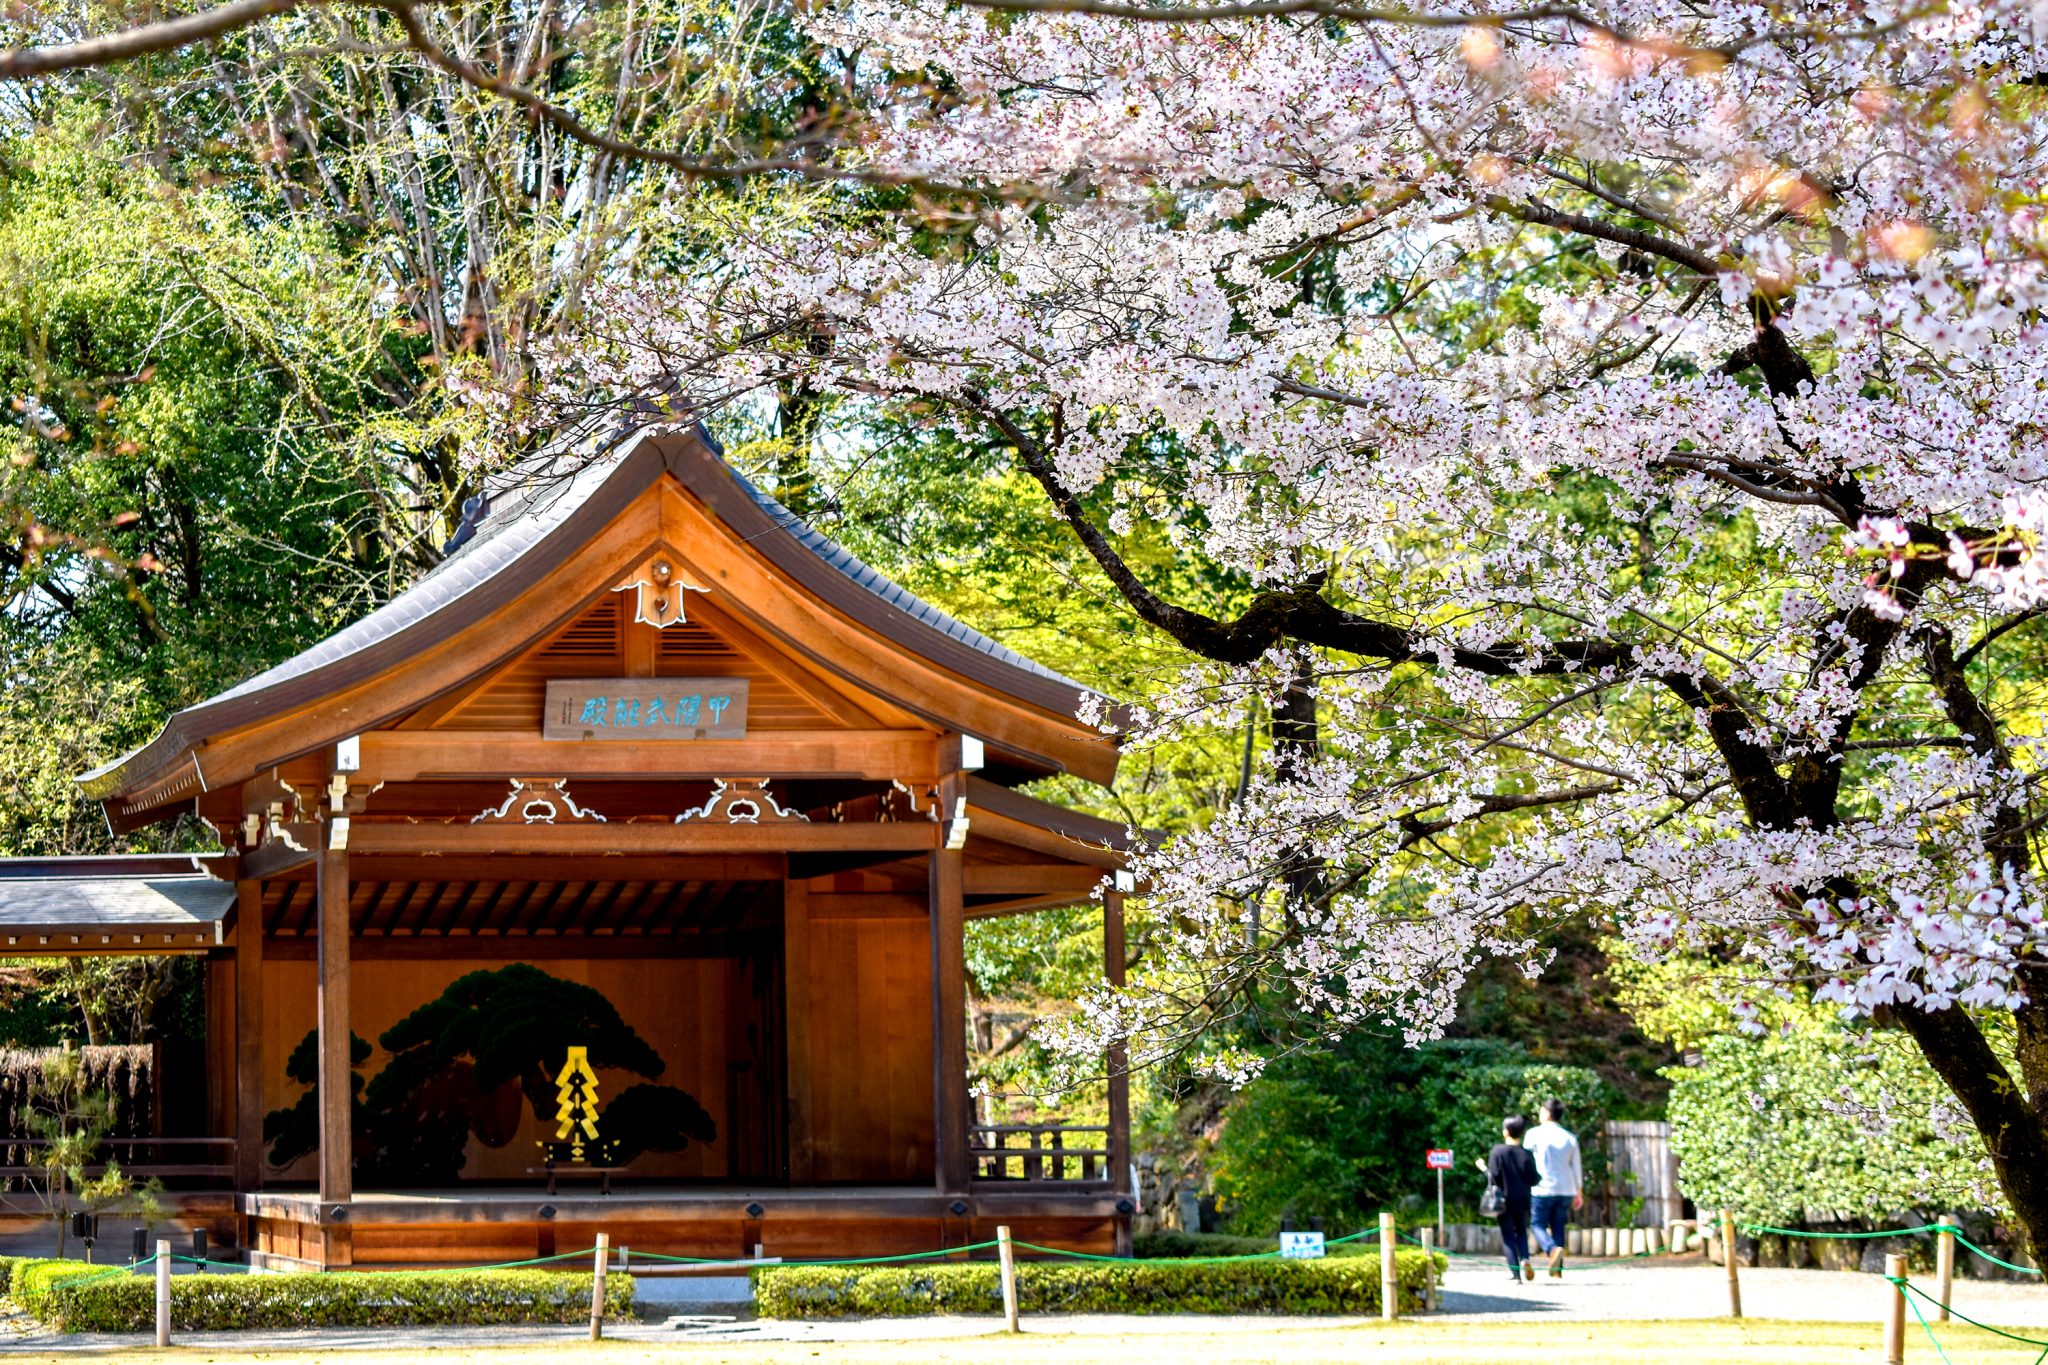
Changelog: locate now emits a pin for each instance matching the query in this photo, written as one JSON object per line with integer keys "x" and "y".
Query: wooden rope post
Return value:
{"x": 163, "y": 1295}
{"x": 1007, "y": 1254}
{"x": 1728, "y": 1257}
{"x": 1390, "y": 1275}
{"x": 597, "y": 1267}
{"x": 1945, "y": 1261}
{"x": 1429, "y": 1270}
{"x": 1895, "y": 1311}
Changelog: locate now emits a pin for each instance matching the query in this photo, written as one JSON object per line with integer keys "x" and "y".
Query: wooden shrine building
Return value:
{"x": 645, "y": 769}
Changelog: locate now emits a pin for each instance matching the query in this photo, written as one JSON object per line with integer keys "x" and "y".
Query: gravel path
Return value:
{"x": 1687, "y": 1288}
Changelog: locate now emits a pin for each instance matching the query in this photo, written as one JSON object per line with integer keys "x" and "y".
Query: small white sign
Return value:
{"x": 1301, "y": 1246}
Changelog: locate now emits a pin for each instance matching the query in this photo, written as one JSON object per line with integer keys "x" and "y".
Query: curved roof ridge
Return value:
{"x": 558, "y": 500}
{"x": 865, "y": 576}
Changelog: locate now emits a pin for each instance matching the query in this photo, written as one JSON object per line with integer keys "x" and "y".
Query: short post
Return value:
{"x": 1728, "y": 1259}
{"x": 1007, "y": 1254}
{"x": 1390, "y": 1278}
{"x": 1895, "y": 1311}
{"x": 1945, "y": 1261}
{"x": 597, "y": 1266}
{"x": 1429, "y": 1270}
{"x": 163, "y": 1295}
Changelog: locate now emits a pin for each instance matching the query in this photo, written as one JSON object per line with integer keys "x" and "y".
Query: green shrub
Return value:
{"x": 31, "y": 1280}
{"x": 70, "y": 1296}
{"x": 1174, "y": 1246}
{"x": 1347, "y": 1286}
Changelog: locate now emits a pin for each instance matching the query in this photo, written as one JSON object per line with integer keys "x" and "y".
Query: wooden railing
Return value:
{"x": 180, "y": 1159}
{"x": 1045, "y": 1152}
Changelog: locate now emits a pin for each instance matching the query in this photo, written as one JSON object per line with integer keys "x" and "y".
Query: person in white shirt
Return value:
{"x": 1559, "y": 1180}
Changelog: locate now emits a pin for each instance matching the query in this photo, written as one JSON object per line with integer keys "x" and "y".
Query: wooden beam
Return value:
{"x": 248, "y": 1050}
{"x": 331, "y": 1006}
{"x": 1119, "y": 1066}
{"x": 277, "y": 856}
{"x": 1023, "y": 905}
{"x": 869, "y": 905}
{"x": 524, "y": 947}
{"x": 656, "y": 867}
{"x": 1003, "y": 830}
{"x": 1029, "y": 879}
{"x": 796, "y": 996}
{"x": 862, "y": 755}
{"x": 949, "y": 1006}
{"x": 588, "y": 841}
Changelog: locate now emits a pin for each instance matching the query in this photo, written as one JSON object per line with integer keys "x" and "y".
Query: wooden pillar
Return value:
{"x": 949, "y": 994}
{"x": 796, "y": 1005}
{"x": 336, "y": 1084}
{"x": 1118, "y": 1064}
{"x": 248, "y": 1049}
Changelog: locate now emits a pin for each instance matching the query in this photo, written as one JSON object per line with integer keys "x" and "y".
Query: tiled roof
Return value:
{"x": 539, "y": 512}
{"x": 122, "y": 900}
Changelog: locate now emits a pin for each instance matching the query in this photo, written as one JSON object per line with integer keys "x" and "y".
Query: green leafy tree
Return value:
{"x": 1339, "y": 1134}
{"x": 1791, "y": 1116}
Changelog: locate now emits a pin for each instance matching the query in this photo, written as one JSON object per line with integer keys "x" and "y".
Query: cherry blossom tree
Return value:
{"x": 1623, "y": 428}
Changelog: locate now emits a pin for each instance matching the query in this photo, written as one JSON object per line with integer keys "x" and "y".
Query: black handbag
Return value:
{"x": 1491, "y": 1205}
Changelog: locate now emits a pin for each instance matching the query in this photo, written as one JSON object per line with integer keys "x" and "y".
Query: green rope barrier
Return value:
{"x": 103, "y": 1273}
{"x": 1925, "y": 1326}
{"x": 1837, "y": 1236}
{"x": 851, "y": 1260}
{"x": 1915, "y": 1291}
{"x": 1984, "y": 1255}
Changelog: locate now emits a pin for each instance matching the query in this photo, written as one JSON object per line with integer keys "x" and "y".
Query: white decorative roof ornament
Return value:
{"x": 658, "y": 586}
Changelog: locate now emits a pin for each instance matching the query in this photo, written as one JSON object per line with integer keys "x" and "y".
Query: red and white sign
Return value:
{"x": 1439, "y": 1158}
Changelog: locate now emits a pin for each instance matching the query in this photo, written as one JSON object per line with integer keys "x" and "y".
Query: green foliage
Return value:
{"x": 1347, "y": 1286}
{"x": 73, "y": 1120}
{"x": 75, "y": 1297}
{"x": 1175, "y": 1246}
{"x": 1803, "y": 1119}
{"x": 1339, "y": 1134}
{"x": 1814, "y": 1123}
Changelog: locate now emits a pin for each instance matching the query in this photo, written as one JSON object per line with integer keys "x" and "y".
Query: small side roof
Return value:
{"x": 118, "y": 904}
{"x": 533, "y": 515}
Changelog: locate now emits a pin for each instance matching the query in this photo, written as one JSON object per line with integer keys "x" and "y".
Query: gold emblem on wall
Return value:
{"x": 576, "y": 1089}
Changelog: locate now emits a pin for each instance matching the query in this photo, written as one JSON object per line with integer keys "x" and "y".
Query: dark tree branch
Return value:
{"x": 143, "y": 40}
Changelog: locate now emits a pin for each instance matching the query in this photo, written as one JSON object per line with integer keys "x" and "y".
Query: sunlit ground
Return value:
{"x": 1436, "y": 1342}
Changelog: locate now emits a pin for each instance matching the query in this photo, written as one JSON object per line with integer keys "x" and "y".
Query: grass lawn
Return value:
{"x": 1412, "y": 1343}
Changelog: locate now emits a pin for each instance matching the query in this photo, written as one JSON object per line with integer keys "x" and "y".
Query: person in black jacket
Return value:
{"x": 1511, "y": 1170}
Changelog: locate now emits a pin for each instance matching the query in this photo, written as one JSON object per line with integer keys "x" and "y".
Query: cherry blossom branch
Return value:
{"x": 1415, "y": 827}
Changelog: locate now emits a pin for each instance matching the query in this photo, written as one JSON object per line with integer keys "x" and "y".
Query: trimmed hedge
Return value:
{"x": 1347, "y": 1286}
{"x": 1174, "y": 1246}
{"x": 75, "y": 1297}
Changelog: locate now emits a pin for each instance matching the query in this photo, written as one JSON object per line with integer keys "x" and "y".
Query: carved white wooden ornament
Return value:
{"x": 538, "y": 801}
{"x": 658, "y": 587}
{"x": 922, "y": 800}
{"x": 744, "y": 801}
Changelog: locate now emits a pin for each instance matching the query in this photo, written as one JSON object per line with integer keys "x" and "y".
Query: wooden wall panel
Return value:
{"x": 678, "y": 1004}
{"x": 592, "y": 646}
{"x": 871, "y": 1059}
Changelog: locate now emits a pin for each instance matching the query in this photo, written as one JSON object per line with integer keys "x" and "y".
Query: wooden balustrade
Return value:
{"x": 1050, "y": 1153}
{"x": 167, "y": 1158}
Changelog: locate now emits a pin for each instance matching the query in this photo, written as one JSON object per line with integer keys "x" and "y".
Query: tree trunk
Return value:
{"x": 2012, "y": 1130}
